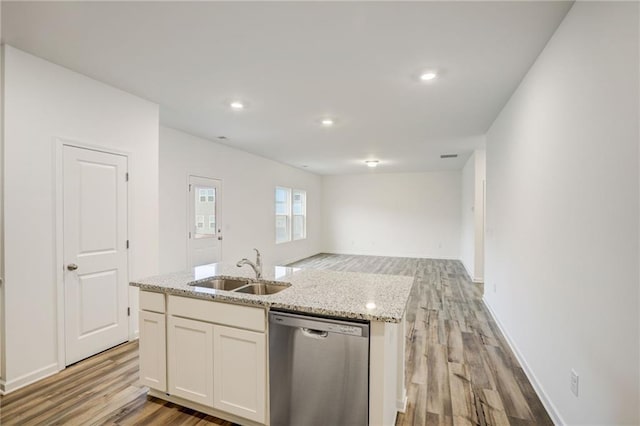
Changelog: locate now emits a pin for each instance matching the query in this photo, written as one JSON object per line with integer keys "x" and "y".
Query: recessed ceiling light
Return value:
{"x": 327, "y": 122}
{"x": 370, "y": 305}
{"x": 372, "y": 163}
{"x": 429, "y": 75}
{"x": 237, "y": 105}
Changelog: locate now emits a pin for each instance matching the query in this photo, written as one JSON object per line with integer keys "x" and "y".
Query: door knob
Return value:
{"x": 72, "y": 266}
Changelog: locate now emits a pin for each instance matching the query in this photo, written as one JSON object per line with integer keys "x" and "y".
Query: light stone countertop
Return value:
{"x": 371, "y": 297}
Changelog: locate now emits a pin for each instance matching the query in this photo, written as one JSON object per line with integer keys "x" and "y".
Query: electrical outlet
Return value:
{"x": 574, "y": 382}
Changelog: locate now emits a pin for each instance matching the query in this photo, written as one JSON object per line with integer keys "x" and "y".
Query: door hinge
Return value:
{"x": 189, "y": 187}
{"x": 126, "y": 177}
{"x": 189, "y": 235}
{"x": 128, "y": 312}
{"x": 127, "y": 243}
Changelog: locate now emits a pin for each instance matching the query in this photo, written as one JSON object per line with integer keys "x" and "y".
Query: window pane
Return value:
{"x": 282, "y": 228}
{"x": 299, "y": 202}
{"x": 298, "y": 227}
{"x": 282, "y": 201}
{"x": 205, "y": 207}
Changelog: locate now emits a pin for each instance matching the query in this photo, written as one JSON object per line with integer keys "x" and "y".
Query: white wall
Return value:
{"x": 248, "y": 185}
{"x": 393, "y": 214}
{"x": 44, "y": 101}
{"x": 562, "y": 216}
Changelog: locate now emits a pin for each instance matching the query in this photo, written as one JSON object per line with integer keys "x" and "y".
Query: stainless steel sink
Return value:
{"x": 262, "y": 288}
{"x": 228, "y": 284}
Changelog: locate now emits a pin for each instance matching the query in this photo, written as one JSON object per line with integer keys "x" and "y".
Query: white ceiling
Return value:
{"x": 293, "y": 63}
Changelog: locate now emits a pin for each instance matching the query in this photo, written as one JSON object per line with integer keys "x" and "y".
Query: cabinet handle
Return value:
{"x": 72, "y": 266}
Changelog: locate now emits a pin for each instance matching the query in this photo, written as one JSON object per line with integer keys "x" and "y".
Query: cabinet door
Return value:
{"x": 239, "y": 364}
{"x": 190, "y": 349}
{"x": 153, "y": 350}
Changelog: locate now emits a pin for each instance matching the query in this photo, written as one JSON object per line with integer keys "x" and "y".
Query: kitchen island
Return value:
{"x": 191, "y": 334}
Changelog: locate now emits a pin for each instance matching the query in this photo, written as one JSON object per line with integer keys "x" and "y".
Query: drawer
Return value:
{"x": 151, "y": 301}
{"x": 217, "y": 312}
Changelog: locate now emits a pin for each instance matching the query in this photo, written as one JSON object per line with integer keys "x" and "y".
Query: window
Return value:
{"x": 283, "y": 213}
{"x": 199, "y": 221}
{"x": 212, "y": 222}
{"x": 299, "y": 213}
{"x": 211, "y": 195}
{"x": 291, "y": 214}
{"x": 203, "y": 195}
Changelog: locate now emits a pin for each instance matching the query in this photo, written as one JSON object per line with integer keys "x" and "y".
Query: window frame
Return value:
{"x": 304, "y": 214}
{"x": 289, "y": 216}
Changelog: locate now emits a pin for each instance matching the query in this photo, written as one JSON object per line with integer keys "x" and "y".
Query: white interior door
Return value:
{"x": 95, "y": 251}
{"x": 204, "y": 229}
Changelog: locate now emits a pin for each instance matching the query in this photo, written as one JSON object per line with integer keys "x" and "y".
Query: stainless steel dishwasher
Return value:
{"x": 318, "y": 371}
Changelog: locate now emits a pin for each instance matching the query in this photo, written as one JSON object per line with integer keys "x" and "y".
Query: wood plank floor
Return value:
{"x": 459, "y": 368}
{"x": 101, "y": 390}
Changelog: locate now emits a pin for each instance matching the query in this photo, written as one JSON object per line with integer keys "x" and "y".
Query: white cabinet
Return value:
{"x": 190, "y": 355}
{"x": 153, "y": 347}
{"x": 210, "y": 353}
{"x": 239, "y": 366}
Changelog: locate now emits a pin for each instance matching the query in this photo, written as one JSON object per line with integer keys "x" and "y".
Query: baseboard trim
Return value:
{"x": 293, "y": 260}
{"x": 544, "y": 398}
{"x": 470, "y": 275}
{"x": 22, "y": 381}
{"x": 401, "y": 404}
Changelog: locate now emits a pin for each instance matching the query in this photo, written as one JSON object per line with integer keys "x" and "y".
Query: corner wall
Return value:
{"x": 44, "y": 101}
{"x": 247, "y": 200}
{"x": 563, "y": 217}
{"x": 393, "y": 214}
{"x": 2, "y": 322}
{"x": 472, "y": 216}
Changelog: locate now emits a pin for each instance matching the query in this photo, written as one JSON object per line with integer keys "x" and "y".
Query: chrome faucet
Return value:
{"x": 257, "y": 267}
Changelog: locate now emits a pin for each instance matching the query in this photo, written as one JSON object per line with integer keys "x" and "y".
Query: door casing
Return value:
{"x": 58, "y": 183}
{"x": 189, "y": 200}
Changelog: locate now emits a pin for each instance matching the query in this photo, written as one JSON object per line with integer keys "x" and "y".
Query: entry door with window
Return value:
{"x": 94, "y": 251}
{"x": 204, "y": 236}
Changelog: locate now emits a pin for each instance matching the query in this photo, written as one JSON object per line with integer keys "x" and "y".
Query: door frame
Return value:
{"x": 58, "y": 249}
{"x": 188, "y": 200}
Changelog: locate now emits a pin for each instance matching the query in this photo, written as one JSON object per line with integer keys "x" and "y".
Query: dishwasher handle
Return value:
{"x": 314, "y": 334}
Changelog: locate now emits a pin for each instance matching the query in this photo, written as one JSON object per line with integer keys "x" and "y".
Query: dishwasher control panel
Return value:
{"x": 344, "y": 329}
{"x": 319, "y": 325}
